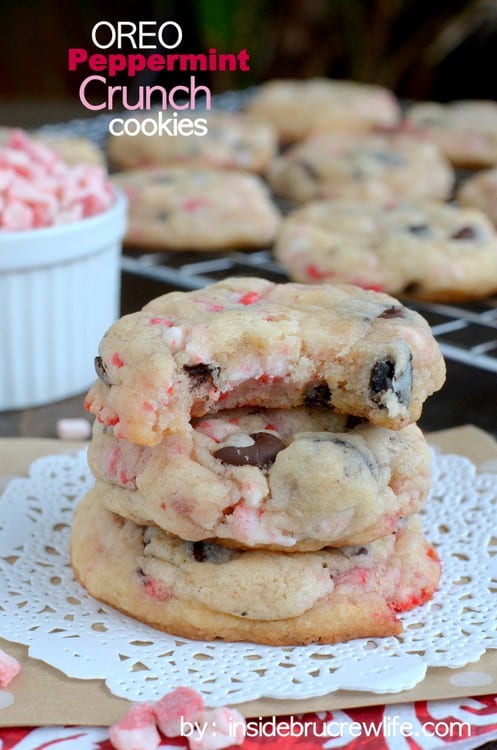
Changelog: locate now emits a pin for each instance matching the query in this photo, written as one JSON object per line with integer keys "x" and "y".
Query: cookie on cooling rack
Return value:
{"x": 204, "y": 591}
{"x": 383, "y": 169}
{"x": 185, "y": 208}
{"x": 231, "y": 141}
{"x": 427, "y": 250}
{"x": 297, "y": 108}
{"x": 480, "y": 191}
{"x": 465, "y": 131}
{"x": 246, "y": 341}
{"x": 289, "y": 479}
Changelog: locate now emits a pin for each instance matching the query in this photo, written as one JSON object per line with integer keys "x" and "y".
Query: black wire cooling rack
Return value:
{"x": 466, "y": 333}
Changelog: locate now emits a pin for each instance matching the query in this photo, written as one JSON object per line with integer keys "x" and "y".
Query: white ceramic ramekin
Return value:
{"x": 59, "y": 292}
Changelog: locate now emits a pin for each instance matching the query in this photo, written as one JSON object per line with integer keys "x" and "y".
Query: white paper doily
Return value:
{"x": 42, "y": 606}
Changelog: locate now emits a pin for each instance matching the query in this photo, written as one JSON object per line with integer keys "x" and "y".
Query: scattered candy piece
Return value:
{"x": 217, "y": 729}
{"x": 174, "y": 709}
{"x": 136, "y": 730}
{"x": 180, "y": 713}
{"x": 9, "y": 667}
{"x": 73, "y": 429}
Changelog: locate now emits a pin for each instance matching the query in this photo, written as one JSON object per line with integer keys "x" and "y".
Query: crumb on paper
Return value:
{"x": 175, "y": 708}
{"x": 9, "y": 668}
{"x": 136, "y": 730}
{"x": 73, "y": 429}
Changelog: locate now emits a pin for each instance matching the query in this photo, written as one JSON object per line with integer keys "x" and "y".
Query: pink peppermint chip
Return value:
{"x": 38, "y": 189}
{"x": 176, "y": 708}
{"x": 136, "y": 730}
{"x": 9, "y": 667}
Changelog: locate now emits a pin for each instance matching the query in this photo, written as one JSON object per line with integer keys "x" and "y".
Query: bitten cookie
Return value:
{"x": 426, "y": 250}
{"x": 246, "y": 341}
{"x": 298, "y": 108}
{"x": 480, "y": 191}
{"x": 181, "y": 208}
{"x": 232, "y": 141}
{"x": 290, "y": 479}
{"x": 204, "y": 591}
{"x": 465, "y": 131}
{"x": 383, "y": 169}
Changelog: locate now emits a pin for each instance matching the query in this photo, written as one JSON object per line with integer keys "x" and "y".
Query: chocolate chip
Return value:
{"x": 357, "y": 174}
{"x": 211, "y": 552}
{"x": 381, "y": 379}
{"x": 261, "y": 453}
{"x": 339, "y": 441}
{"x": 200, "y": 373}
{"x": 389, "y": 158}
{"x": 351, "y": 447}
{"x": 318, "y": 397}
{"x": 199, "y": 551}
{"x": 101, "y": 371}
{"x": 388, "y": 378}
{"x": 392, "y": 312}
{"x": 420, "y": 230}
{"x": 354, "y": 421}
{"x": 464, "y": 233}
{"x": 162, "y": 179}
{"x": 413, "y": 288}
{"x": 354, "y": 551}
{"x": 309, "y": 170}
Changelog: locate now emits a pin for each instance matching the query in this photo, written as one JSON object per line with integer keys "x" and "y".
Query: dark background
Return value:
{"x": 422, "y": 49}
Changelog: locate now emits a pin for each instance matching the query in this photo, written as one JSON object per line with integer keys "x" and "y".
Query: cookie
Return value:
{"x": 182, "y": 208}
{"x": 231, "y": 141}
{"x": 427, "y": 250}
{"x": 298, "y": 108}
{"x": 382, "y": 169}
{"x": 480, "y": 191}
{"x": 73, "y": 149}
{"x": 204, "y": 591}
{"x": 246, "y": 341}
{"x": 465, "y": 130}
{"x": 291, "y": 479}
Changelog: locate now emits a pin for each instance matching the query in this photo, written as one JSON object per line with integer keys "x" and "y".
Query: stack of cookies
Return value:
{"x": 259, "y": 472}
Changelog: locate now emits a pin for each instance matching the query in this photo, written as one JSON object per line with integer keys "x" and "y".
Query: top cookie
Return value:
{"x": 381, "y": 169}
{"x": 248, "y": 341}
{"x": 465, "y": 131}
{"x": 298, "y": 108}
{"x": 232, "y": 141}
